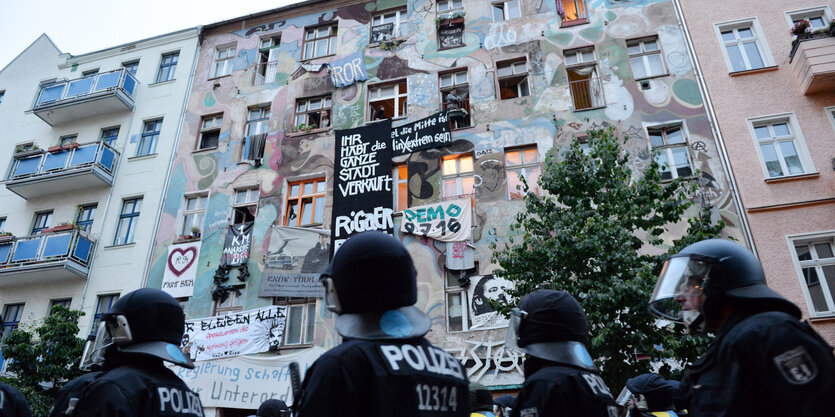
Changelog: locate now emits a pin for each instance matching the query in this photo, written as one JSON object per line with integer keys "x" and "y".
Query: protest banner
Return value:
{"x": 236, "y": 245}
{"x": 237, "y": 333}
{"x": 180, "y": 269}
{"x": 296, "y": 257}
{"x": 447, "y": 221}
{"x": 427, "y": 133}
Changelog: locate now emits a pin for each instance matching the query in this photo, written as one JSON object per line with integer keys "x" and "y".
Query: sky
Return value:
{"x": 83, "y": 26}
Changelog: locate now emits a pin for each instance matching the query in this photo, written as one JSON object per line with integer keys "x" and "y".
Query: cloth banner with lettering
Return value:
{"x": 348, "y": 70}
{"x": 236, "y": 245}
{"x": 447, "y": 221}
{"x": 427, "y": 133}
{"x": 180, "y": 269}
{"x": 483, "y": 288}
{"x": 246, "y": 381}
{"x": 238, "y": 333}
{"x": 296, "y": 257}
{"x": 362, "y": 189}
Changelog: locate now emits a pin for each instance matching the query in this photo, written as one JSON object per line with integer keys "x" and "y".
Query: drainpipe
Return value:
{"x": 147, "y": 270}
{"x": 714, "y": 127}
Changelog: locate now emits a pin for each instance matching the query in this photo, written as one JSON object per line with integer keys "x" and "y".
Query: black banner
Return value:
{"x": 451, "y": 36}
{"x": 236, "y": 245}
{"x": 362, "y": 189}
{"x": 381, "y": 33}
{"x": 429, "y": 132}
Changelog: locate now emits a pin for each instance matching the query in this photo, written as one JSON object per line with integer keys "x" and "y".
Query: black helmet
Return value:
{"x": 721, "y": 270}
{"x": 651, "y": 392}
{"x": 551, "y": 325}
{"x": 371, "y": 283}
{"x": 273, "y": 408}
{"x": 480, "y": 398}
{"x": 146, "y": 322}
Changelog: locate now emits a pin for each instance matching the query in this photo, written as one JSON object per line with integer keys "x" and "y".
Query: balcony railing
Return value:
{"x": 40, "y": 255}
{"x": 96, "y": 161}
{"x": 118, "y": 84}
{"x": 587, "y": 93}
{"x": 265, "y": 73}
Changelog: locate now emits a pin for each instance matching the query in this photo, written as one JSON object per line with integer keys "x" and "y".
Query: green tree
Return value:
{"x": 40, "y": 366}
{"x": 593, "y": 234}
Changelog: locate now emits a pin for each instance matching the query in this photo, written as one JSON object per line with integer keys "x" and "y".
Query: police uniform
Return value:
{"x": 556, "y": 390}
{"x": 12, "y": 402}
{"x": 767, "y": 364}
{"x": 69, "y": 395}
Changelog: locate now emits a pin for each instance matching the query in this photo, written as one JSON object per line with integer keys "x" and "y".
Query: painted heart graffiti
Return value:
{"x": 179, "y": 260}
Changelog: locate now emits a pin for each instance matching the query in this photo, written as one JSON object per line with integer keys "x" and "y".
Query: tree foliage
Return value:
{"x": 43, "y": 360}
{"x": 593, "y": 234}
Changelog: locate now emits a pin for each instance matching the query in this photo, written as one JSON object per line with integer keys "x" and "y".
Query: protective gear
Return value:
{"x": 558, "y": 390}
{"x": 12, "y": 402}
{"x": 144, "y": 322}
{"x": 709, "y": 274}
{"x": 650, "y": 392}
{"x": 504, "y": 403}
{"x": 273, "y": 408}
{"x": 71, "y": 393}
{"x": 371, "y": 284}
{"x": 551, "y": 325}
{"x": 480, "y": 398}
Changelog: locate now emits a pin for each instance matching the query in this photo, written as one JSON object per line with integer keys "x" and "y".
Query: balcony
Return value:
{"x": 94, "y": 95}
{"x": 83, "y": 167}
{"x": 265, "y": 73}
{"x": 813, "y": 61}
{"x": 44, "y": 258}
{"x": 587, "y": 93}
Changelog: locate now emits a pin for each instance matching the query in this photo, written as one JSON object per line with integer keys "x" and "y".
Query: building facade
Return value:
{"x": 773, "y": 97}
{"x": 257, "y": 161}
{"x": 87, "y": 142}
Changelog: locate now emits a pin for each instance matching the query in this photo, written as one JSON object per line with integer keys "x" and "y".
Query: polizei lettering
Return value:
{"x": 422, "y": 359}
{"x": 174, "y": 401}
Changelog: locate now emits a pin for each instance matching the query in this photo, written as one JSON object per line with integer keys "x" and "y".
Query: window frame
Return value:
{"x": 301, "y": 199}
{"x": 86, "y": 223}
{"x": 503, "y": 5}
{"x": 149, "y": 135}
{"x": 759, "y": 39}
{"x": 401, "y": 100}
{"x": 523, "y": 168}
{"x": 235, "y": 301}
{"x": 110, "y": 139}
{"x": 214, "y": 127}
{"x": 11, "y": 325}
{"x": 397, "y": 184}
{"x": 199, "y": 211}
{"x": 524, "y": 77}
{"x": 400, "y": 16}
{"x": 68, "y": 139}
{"x": 307, "y": 331}
{"x": 2, "y": 94}
{"x": 112, "y": 298}
{"x": 169, "y": 68}
{"x": 824, "y": 12}
{"x": 810, "y": 239}
{"x": 667, "y": 148}
{"x": 224, "y": 62}
{"x": 455, "y": 288}
{"x": 644, "y": 55}
{"x": 581, "y": 17}
{"x": 66, "y": 302}
{"x": 594, "y": 77}
{"x": 796, "y": 136}
{"x": 131, "y": 65}
{"x": 252, "y": 195}
{"x": 332, "y": 37}
{"x": 830, "y": 115}
{"x": 262, "y": 122}
{"x": 37, "y": 229}
{"x": 458, "y": 176}
{"x": 327, "y": 105}
{"x": 132, "y": 219}
{"x": 448, "y": 9}
{"x": 444, "y": 90}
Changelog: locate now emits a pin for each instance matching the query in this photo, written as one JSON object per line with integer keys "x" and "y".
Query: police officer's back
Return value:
{"x": 764, "y": 361}
{"x": 141, "y": 330}
{"x": 12, "y": 402}
{"x": 649, "y": 395}
{"x": 384, "y": 367}
{"x": 560, "y": 376}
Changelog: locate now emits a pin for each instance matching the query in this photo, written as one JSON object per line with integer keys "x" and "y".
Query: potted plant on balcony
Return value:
{"x": 195, "y": 232}
{"x": 20, "y": 152}
{"x": 73, "y": 145}
{"x": 306, "y": 127}
{"x": 55, "y": 149}
{"x": 6, "y": 237}
{"x": 801, "y": 27}
{"x": 450, "y": 19}
{"x": 63, "y": 226}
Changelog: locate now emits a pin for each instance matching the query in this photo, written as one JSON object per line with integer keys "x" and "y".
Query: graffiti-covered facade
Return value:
{"x": 511, "y": 82}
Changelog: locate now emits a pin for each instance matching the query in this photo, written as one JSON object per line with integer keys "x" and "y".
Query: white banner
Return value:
{"x": 180, "y": 269}
{"x": 483, "y": 288}
{"x": 447, "y": 221}
{"x": 234, "y": 334}
{"x": 246, "y": 381}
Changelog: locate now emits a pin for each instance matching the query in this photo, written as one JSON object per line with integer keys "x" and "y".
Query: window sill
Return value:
{"x": 190, "y": 240}
{"x": 753, "y": 71}
{"x": 652, "y": 77}
{"x": 822, "y": 318}
{"x": 788, "y": 178}
{"x": 589, "y": 109}
{"x": 575, "y": 22}
{"x": 378, "y": 44}
{"x": 162, "y": 82}
{"x": 309, "y": 60}
{"x": 514, "y": 98}
{"x": 124, "y": 245}
{"x": 202, "y": 150}
{"x": 452, "y": 47}
{"x": 309, "y": 132}
{"x": 286, "y": 348}
{"x": 218, "y": 77}
{"x": 142, "y": 157}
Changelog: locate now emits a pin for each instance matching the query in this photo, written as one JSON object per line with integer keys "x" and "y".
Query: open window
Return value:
{"x": 209, "y": 131}
{"x": 583, "y": 79}
{"x": 513, "y": 79}
{"x": 267, "y": 60}
{"x": 312, "y": 113}
{"x": 245, "y": 206}
{"x": 257, "y": 127}
{"x": 385, "y": 26}
{"x": 455, "y": 96}
{"x": 388, "y": 101}
{"x": 572, "y": 12}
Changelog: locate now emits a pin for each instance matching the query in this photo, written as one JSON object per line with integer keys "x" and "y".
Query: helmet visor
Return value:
{"x": 516, "y": 316}
{"x": 680, "y": 287}
{"x": 94, "y": 350}
{"x": 624, "y": 397}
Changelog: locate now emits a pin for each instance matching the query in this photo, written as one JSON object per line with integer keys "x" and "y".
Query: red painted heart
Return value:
{"x": 179, "y": 261}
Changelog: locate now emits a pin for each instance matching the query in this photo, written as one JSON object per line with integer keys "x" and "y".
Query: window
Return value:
{"x": 109, "y": 136}
{"x": 386, "y": 26}
{"x": 183, "y": 302}
{"x": 583, "y": 80}
{"x": 387, "y": 101}
{"x": 233, "y": 303}
{"x": 167, "y": 66}
{"x": 2, "y": 93}
{"x": 41, "y": 222}
{"x": 65, "y": 302}
{"x": 86, "y": 215}
{"x": 195, "y": 210}
{"x": 571, "y": 10}
{"x": 513, "y": 79}
{"x": 128, "y": 218}
{"x": 311, "y": 112}
{"x": 830, "y": 112}
{"x": 645, "y": 58}
{"x": 150, "y": 135}
{"x": 506, "y": 10}
{"x": 816, "y": 263}
{"x": 457, "y": 301}
{"x": 66, "y": 140}
{"x": 301, "y": 319}
{"x": 319, "y": 42}
{"x": 400, "y": 178}
{"x": 780, "y": 146}
{"x": 457, "y": 176}
{"x": 673, "y": 158}
{"x": 818, "y": 17}
{"x": 743, "y": 45}
{"x": 209, "y": 131}
{"x": 522, "y": 162}
{"x": 2, "y": 223}
{"x": 224, "y": 56}
{"x": 90, "y": 73}
{"x": 245, "y": 205}
{"x": 131, "y": 67}
{"x": 267, "y": 60}
{"x": 455, "y": 90}
{"x": 12, "y": 314}
{"x": 447, "y": 5}
{"x": 305, "y": 203}
{"x": 102, "y": 306}
{"x": 257, "y": 126}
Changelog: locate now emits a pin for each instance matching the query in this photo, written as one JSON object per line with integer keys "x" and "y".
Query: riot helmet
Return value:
{"x": 551, "y": 325}
{"x": 647, "y": 392}
{"x": 145, "y": 322}
{"x": 695, "y": 283}
{"x": 273, "y": 408}
{"x": 371, "y": 283}
{"x": 480, "y": 398}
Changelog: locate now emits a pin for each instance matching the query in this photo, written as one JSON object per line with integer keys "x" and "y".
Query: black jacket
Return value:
{"x": 556, "y": 390}
{"x": 12, "y": 402}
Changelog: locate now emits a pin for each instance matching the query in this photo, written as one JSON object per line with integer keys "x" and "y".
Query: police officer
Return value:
{"x": 764, "y": 361}
{"x": 560, "y": 376}
{"x": 273, "y": 408}
{"x": 481, "y": 401}
{"x": 648, "y": 395}
{"x": 503, "y": 404}
{"x": 141, "y": 330}
{"x": 384, "y": 366}
{"x": 12, "y": 402}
